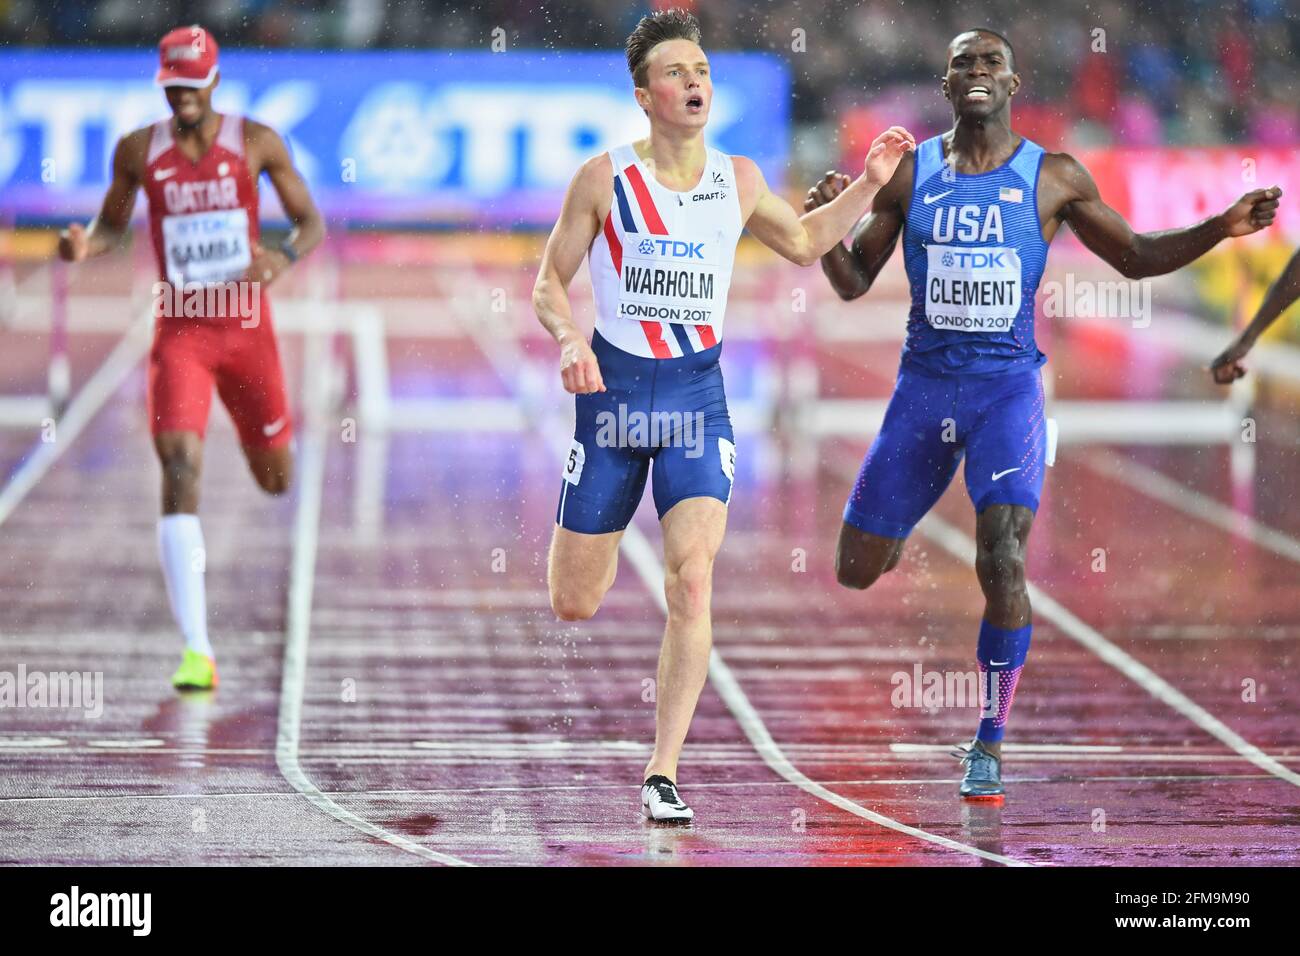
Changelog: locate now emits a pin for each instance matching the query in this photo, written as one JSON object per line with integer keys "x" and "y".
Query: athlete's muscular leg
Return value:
{"x": 693, "y": 531}
{"x": 250, "y": 382}
{"x": 911, "y": 461}
{"x": 861, "y": 558}
{"x": 272, "y": 468}
{"x": 181, "y": 457}
{"x": 1001, "y": 538}
{"x": 579, "y": 571}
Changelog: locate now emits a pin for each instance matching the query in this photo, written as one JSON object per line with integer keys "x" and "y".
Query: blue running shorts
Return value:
{"x": 996, "y": 422}
{"x": 672, "y": 412}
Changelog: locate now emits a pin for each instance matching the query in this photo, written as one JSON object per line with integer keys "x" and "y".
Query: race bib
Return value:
{"x": 573, "y": 464}
{"x": 972, "y": 290}
{"x": 206, "y": 247}
{"x": 727, "y": 454}
{"x": 673, "y": 279}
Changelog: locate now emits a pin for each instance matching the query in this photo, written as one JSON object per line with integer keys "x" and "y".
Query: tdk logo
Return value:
{"x": 974, "y": 260}
{"x": 672, "y": 248}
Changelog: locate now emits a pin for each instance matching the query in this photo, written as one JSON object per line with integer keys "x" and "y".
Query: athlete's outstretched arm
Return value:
{"x": 1227, "y": 368}
{"x": 569, "y": 241}
{"x": 852, "y": 271}
{"x": 805, "y": 239}
{"x": 1137, "y": 255}
{"x": 295, "y": 198}
{"x": 109, "y": 228}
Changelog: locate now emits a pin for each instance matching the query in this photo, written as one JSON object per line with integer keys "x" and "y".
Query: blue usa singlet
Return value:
{"x": 969, "y": 384}
{"x": 974, "y": 253}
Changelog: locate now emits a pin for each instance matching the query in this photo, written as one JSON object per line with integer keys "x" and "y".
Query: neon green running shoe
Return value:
{"x": 197, "y": 672}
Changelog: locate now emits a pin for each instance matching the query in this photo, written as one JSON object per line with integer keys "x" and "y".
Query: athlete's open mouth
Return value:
{"x": 978, "y": 93}
{"x": 695, "y": 103}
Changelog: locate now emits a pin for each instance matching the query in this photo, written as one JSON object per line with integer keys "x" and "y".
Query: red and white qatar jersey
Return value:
{"x": 202, "y": 215}
{"x": 661, "y": 264}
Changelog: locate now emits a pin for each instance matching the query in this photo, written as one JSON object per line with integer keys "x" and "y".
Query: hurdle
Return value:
{"x": 26, "y": 411}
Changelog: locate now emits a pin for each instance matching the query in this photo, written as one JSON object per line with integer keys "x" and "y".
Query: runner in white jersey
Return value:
{"x": 661, "y": 263}
{"x": 659, "y": 220}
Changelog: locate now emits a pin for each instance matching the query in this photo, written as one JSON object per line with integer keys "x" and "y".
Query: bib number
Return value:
{"x": 972, "y": 289}
{"x": 727, "y": 456}
{"x": 573, "y": 464}
{"x": 672, "y": 279}
{"x": 206, "y": 247}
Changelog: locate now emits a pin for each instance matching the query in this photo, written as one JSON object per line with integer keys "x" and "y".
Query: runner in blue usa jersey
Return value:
{"x": 977, "y": 207}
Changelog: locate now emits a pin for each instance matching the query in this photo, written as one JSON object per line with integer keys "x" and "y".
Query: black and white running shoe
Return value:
{"x": 662, "y": 803}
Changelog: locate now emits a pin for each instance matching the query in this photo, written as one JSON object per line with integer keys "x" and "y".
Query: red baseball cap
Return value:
{"x": 187, "y": 57}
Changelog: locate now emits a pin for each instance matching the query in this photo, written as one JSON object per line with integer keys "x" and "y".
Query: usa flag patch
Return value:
{"x": 1007, "y": 194}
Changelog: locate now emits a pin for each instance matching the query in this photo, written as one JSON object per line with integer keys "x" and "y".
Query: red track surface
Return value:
{"x": 444, "y": 704}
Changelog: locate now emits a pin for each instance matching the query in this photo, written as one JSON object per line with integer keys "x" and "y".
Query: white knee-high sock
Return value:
{"x": 183, "y": 557}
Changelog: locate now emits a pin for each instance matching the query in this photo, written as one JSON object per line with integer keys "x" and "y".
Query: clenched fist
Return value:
{"x": 73, "y": 244}
{"x": 830, "y": 186}
{"x": 579, "y": 369}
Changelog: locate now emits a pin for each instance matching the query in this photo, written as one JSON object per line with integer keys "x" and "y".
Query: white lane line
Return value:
{"x": 482, "y": 753}
{"x": 962, "y": 547}
{"x": 99, "y": 388}
{"x": 302, "y": 579}
{"x": 738, "y": 785}
{"x": 1157, "y": 485}
{"x": 1023, "y": 748}
{"x": 514, "y": 369}
{"x": 468, "y": 757}
{"x": 1056, "y": 757}
{"x": 24, "y": 743}
{"x": 122, "y": 743}
{"x": 646, "y": 563}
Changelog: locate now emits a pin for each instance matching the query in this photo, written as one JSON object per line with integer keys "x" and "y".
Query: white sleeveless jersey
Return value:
{"x": 661, "y": 264}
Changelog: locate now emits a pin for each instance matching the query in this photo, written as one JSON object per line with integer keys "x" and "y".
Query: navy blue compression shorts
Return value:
{"x": 672, "y": 412}
{"x": 996, "y": 422}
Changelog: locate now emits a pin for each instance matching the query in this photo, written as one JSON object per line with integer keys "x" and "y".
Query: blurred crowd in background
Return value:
{"x": 1125, "y": 72}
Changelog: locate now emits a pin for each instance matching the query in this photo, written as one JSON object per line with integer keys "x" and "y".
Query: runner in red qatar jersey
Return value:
{"x": 203, "y": 219}
{"x": 202, "y": 215}
{"x": 199, "y": 170}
